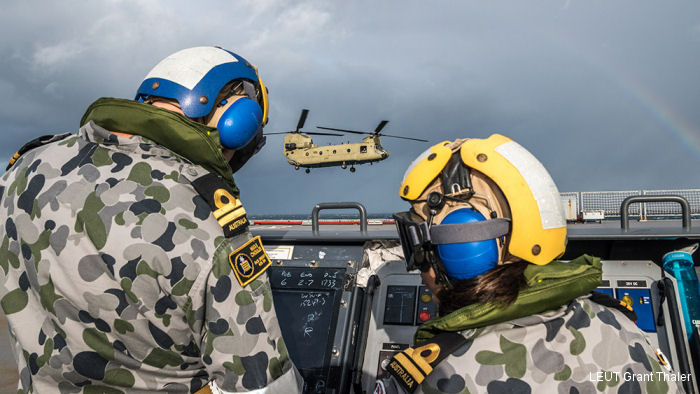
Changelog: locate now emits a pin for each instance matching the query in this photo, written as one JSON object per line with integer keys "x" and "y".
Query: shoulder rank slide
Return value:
{"x": 411, "y": 366}
{"x": 227, "y": 209}
{"x": 35, "y": 143}
{"x": 614, "y": 303}
{"x": 249, "y": 261}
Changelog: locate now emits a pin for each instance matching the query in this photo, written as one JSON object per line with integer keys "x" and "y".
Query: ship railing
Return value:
{"x": 607, "y": 204}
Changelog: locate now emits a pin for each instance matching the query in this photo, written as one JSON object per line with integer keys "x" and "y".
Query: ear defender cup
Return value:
{"x": 239, "y": 123}
{"x": 467, "y": 260}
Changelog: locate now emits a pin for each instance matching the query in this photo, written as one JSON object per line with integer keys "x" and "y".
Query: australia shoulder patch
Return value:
{"x": 227, "y": 209}
{"x": 411, "y": 366}
{"x": 35, "y": 143}
{"x": 249, "y": 261}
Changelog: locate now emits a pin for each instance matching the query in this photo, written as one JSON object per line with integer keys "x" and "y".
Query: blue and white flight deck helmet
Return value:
{"x": 194, "y": 77}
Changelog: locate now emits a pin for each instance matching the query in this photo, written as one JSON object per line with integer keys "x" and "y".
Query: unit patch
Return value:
{"x": 249, "y": 261}
{"x": 227, "y": 209}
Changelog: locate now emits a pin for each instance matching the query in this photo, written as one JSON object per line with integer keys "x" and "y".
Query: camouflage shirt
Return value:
{"x": 115, "y": 276}
{"x": 582, "y": 347}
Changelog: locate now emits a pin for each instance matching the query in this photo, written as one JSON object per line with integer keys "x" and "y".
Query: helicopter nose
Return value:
{"x": 385, "y": 154}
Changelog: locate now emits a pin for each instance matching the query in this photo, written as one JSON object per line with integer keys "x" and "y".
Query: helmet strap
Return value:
{"x": 440, "y": 273}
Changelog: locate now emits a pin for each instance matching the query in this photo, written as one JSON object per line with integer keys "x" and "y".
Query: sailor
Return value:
{"x": 485, "y": 228}
{"x": 126, "y": 264}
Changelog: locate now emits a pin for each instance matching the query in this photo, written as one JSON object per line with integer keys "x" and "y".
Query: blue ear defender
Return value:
{"x": 239, "y": 123}
{"x": 467, "y": 260}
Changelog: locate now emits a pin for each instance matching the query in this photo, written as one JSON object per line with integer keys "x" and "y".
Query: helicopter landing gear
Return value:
{"x": 307, "y": 170}
{"x": 296, "y": 168}
{"x": 343, "y": 166}
{"x": 352, "y": 169}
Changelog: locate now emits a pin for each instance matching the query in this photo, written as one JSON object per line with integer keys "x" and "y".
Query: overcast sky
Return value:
{"x": 605, "y": 93}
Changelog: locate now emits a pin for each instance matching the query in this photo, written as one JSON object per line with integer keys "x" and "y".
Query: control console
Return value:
{"x": 401, "y": 303}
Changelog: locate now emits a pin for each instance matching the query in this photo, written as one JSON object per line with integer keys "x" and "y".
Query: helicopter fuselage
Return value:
{"x": 300, "y": 151}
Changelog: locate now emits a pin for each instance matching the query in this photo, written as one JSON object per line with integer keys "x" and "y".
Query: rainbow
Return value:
{"x": 671, "y": 122}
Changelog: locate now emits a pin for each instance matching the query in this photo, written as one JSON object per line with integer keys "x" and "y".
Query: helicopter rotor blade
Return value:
{"x": 302, "y": 119}
{"x": 380, "y": 126}
{"x": 406, "y": 138}
{"x": 299, "y": 132}
{"x": 376, "y": 131}
{"x": 343, "y": 130}
{"x": 318, "y": 133}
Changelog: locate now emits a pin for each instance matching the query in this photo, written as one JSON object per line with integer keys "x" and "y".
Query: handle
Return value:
{"x": 624, "y": 214}
{"x": 339, "y": 205}
{"x": 366, "y": 313}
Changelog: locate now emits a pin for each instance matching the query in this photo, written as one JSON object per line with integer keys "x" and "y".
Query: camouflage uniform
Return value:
{"x": 580, "y": 347}
{"x": 115, "y": 276}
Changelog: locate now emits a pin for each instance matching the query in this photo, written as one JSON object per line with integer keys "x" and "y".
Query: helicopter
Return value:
{"x": 300, "y": 150}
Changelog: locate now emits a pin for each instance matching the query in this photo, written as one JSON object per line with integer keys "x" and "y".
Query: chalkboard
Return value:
{"x": 307, "y": 324}
{"x": 307, "y": 278}
{"x": 307, "y": 302}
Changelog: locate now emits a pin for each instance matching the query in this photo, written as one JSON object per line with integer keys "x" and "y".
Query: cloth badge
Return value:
{"x": 249, "y": 261}
{"x": 411, "y": 366}
{"x": 405, "y": 373}
{"x": 226, "y": 208}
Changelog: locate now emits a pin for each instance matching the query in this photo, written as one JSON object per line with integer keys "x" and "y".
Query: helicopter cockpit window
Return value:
{"x": 363, "y": 148}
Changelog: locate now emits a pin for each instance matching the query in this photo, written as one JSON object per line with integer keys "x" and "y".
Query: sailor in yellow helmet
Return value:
{"x": 485, "y": 228}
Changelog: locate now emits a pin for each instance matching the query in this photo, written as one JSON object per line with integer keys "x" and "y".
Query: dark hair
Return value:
{"x": 500, "y": 286}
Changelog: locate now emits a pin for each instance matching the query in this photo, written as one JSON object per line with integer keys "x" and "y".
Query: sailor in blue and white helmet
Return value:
{"x": 150, "y": 255}
{"x": 216, "y": 87}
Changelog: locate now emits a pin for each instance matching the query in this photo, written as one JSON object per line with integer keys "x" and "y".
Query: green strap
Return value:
{"x": 194, "y": 141}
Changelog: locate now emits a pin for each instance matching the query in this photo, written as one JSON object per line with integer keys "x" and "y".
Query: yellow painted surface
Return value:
{"x": 425, "y": 172}
{"x": 528, "y": 233}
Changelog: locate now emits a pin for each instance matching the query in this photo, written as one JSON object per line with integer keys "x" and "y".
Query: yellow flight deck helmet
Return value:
{"x": 496, "y": 177}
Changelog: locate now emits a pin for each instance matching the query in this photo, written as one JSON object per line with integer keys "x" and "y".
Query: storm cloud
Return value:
{"x": 604, "y": 93}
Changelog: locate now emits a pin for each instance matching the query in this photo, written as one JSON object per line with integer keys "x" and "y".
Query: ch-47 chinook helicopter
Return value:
{"x": 300, "y": 150}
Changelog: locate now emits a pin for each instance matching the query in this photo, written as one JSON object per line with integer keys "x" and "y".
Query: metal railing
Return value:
{"x": 609, "y": 203}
